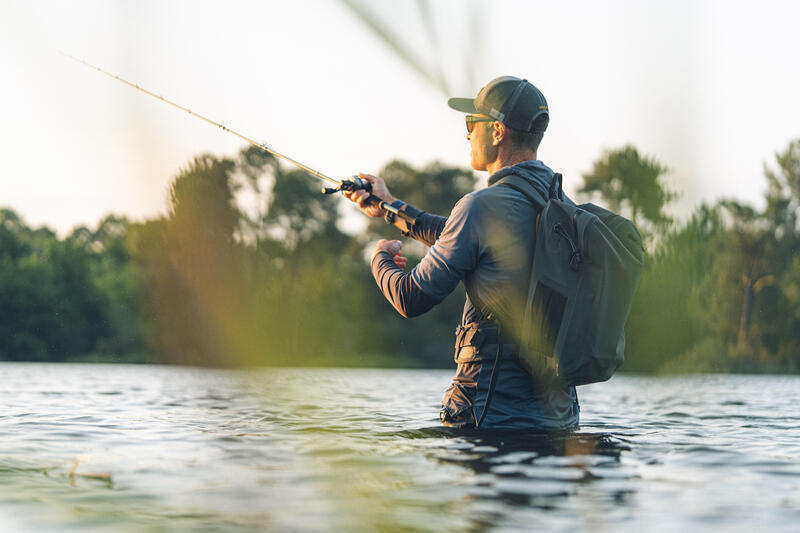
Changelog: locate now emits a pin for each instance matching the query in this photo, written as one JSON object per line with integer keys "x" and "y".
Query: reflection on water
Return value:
{"x": 534, "y": 470}
{"x": 88, "y": 447}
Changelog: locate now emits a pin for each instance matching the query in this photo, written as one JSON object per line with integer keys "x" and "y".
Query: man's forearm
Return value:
{"x": 426, "y": 228}
{"x": 398, "y": 287}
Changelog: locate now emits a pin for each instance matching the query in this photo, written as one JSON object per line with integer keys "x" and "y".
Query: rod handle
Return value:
{"x": 374, "y": 200}
{"x": 405, "y": 216}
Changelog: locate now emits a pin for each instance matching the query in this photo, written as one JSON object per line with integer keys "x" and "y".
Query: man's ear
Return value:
{"x": 499, "y": 132}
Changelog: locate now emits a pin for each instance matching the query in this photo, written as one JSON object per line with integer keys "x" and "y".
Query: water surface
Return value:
{"x": 152, "y": 448}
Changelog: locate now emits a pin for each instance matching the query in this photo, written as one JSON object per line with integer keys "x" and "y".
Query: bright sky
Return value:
{"x": 708, "y": 87}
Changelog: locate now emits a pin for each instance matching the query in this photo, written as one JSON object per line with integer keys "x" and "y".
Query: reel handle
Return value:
{"x": 351, "y": 184}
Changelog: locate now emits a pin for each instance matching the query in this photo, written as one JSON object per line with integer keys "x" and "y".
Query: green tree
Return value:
{"x": 50, "y": 307}
{"x": 783, "y": 191}
{"x": 667, "y": 319}
{"x": 749, "y": 237}
{"x": 722, "y": 292}
{"x": 117, "y": 277}
{"x": 626, "y": 180}
{"x": 191, "y": 266}
{"x": 777, "y": 319}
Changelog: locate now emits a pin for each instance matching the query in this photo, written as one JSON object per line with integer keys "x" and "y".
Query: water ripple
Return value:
{"x": 164, "y": 448}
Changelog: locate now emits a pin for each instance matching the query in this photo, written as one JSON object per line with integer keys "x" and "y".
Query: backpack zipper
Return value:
{"x": 575, "y": 258}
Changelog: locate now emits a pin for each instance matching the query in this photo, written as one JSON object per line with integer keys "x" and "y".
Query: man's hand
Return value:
{"x": 393, "y": 249}
{"x": 379, "y": 189}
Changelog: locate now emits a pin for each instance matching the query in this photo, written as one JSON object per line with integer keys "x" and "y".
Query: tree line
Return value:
{"x": 251, "y": 265}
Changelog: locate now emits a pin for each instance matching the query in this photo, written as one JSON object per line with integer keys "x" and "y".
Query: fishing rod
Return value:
{"x": 353, "y": 183}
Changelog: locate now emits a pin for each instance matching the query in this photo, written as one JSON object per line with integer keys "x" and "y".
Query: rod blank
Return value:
{"x": 262, "y": 146}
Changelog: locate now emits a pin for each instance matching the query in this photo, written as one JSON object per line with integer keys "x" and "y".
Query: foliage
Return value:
{"x": 249, "y": 266}
{"x": 663, "y": 321}
{"x": 626, "y": 180}
{"x": 56, "y": 301}
{"x": 721, "y": 292}
{"x": 295, "y": 292}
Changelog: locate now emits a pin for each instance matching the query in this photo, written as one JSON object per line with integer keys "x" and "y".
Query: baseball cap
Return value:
{"x": 513, "y": 101}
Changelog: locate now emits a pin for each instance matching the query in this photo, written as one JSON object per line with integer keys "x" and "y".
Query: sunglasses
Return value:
{"x": 474, "y": 119}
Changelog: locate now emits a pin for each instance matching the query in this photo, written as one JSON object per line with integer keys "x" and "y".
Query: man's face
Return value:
{"x": 482, "y": 149}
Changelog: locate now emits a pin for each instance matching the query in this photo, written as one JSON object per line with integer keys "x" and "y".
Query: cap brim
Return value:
{"x": 465, "y": 105}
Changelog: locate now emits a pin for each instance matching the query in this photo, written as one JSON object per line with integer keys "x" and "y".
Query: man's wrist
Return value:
{"x": 378, "y": 252}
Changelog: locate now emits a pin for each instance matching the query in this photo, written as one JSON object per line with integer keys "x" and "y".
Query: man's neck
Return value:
{"x": 507, "y": 160}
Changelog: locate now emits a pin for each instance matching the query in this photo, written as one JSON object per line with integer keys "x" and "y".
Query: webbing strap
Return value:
{"x": 492, "y": 383}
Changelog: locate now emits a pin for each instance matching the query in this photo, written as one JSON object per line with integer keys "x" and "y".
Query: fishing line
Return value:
{"x": 221, "y": 126}
{"x": 351, "y": 184}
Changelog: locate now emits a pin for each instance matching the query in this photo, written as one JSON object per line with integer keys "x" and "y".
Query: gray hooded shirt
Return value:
{"x": 486, "y": 242}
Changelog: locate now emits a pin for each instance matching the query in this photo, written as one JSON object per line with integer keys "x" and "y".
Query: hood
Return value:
{"x": 537, "y": 172}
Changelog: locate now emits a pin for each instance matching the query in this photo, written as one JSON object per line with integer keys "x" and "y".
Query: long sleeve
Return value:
{"x": 427, "y": 228}
{"x": 453, "y": 254}
{"x": 398, "y": 287}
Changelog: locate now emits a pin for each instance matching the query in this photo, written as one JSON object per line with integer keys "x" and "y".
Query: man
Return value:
{"x": 486, "y": 242}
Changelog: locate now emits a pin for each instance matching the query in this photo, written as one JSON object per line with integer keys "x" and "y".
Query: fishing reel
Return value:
{"x": 354, "y": 183}
{"x": 351, "y": 184}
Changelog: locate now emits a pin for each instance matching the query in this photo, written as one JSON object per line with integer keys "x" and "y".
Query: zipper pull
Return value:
{"x": 575, "y": 258}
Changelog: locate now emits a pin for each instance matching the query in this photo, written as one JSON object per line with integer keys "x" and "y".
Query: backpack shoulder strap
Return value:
{"x": 524, "y": 187}
{"x": 556, "y": 192}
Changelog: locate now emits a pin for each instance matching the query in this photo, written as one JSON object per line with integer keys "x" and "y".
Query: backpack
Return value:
{"x": 586, "y": 266}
